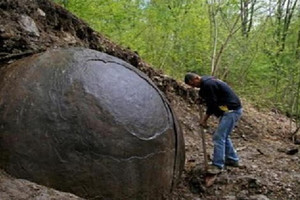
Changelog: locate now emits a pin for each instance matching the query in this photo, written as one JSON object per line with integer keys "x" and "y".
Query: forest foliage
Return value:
{"x": 253, "y": 45}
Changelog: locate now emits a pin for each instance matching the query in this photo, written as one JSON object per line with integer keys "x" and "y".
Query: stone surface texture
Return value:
{"x": 82, "y": 121}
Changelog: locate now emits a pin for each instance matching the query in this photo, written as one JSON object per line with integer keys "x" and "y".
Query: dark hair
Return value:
{"x": 189, "y": 77}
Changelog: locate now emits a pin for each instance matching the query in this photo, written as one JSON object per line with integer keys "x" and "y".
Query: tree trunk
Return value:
{"x": 246, "y": 12}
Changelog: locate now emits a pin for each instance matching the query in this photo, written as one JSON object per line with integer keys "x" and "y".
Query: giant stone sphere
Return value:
{"x": 85, "y": 122}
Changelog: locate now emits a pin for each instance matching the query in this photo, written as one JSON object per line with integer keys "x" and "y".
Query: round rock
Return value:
{"x": 85, "y": 122}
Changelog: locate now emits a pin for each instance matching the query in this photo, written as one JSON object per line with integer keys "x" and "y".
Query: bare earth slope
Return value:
{"x": 15, "y": 189}
{"x": 261, "y": 138}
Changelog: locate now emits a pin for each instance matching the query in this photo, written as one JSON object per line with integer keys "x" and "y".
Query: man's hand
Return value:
{"x": 199, "y": 101}
{"x": 203, "y": 123}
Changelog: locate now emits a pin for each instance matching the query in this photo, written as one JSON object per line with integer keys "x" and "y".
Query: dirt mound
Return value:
{"x": 271, "y": 161}
{"x": 11, "y": 188}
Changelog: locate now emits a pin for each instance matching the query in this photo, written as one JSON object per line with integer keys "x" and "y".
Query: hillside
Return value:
{"x": 271, "y": 160}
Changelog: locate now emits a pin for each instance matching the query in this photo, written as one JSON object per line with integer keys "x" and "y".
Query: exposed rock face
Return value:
{"x": 28, "y": 24}
{"x": 88, "y": 123}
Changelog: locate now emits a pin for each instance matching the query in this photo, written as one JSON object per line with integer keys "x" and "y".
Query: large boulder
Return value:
{"x": 85, "y": 122}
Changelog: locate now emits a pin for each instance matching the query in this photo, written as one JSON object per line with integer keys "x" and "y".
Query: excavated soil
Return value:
{"x": 271, "y": 163}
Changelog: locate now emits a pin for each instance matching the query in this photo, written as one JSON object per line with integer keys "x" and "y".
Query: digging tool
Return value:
{"x": 203, "y": 140}
{"x": 208, "y": 178}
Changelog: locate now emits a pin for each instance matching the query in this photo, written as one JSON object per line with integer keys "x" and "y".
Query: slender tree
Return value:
{"x": 247, "y": 8}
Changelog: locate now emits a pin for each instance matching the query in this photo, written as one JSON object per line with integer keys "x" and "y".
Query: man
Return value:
{"x": 222, "y": 102}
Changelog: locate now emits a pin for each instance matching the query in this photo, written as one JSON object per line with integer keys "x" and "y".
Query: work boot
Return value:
{"x": 232, "y": 163}
{"x": 214, "y": 170}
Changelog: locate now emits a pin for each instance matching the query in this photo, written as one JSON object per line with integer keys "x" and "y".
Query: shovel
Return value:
{"x": 209, "y": 179}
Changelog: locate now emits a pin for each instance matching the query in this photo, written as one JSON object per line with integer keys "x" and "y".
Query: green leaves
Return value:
{"x": 177, "y": 36}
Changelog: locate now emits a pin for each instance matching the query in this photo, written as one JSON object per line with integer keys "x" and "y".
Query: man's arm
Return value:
{"x": 203, "y": 121}
{"x": 209, "y": 93}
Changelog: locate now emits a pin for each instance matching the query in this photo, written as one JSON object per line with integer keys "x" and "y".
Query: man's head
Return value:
{"x": 192, "y": 79}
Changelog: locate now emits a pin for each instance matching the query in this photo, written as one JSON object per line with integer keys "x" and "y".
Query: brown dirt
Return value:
{"x": 15, "y": 189}
{"x": 261, "y": 138}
